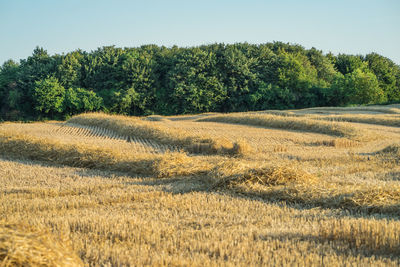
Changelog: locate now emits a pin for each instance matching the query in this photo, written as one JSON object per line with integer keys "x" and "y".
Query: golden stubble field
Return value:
{"x": 312, "y": 187}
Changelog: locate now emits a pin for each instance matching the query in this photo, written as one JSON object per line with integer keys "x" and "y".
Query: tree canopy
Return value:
{"x": 155, "y": 79}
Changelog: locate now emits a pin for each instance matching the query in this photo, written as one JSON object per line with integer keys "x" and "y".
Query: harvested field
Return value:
{"x": 75, "y": 133}
{"x": 389, "y": 109}
{"x": 256, "y": 188}
{"x": 156, "y": 131}
{"x": 290, "y": 123}
{"x": 387, "y": 120}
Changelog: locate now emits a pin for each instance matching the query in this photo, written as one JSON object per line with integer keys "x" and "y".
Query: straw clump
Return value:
{"x": 376, "y": 200}
{"x": 179, "y": 164}
{"x": 340, "y": 143}
{"x": 22, "y": 245}
{"x": 241, "y": 147}
{"x": 230, "y": 174}
{"x": 223, "y": 146}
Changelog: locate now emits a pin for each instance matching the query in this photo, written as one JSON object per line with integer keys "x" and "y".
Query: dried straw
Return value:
{"x": 23, "y": 245}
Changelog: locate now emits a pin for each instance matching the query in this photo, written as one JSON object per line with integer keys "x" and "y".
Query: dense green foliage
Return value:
{"x": 218, "y": 77}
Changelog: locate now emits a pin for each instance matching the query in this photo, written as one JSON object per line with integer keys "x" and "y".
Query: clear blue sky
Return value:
{"x": 340, "y": 26}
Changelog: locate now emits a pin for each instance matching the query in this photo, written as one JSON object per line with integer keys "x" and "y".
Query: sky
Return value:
{"x": 61, "y": 26}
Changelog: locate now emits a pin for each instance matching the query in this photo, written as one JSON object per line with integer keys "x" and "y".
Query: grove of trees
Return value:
{"x": 218, "y": 77}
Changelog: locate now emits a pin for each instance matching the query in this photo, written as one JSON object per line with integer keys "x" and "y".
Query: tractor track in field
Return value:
{"x": 138, "y": 144}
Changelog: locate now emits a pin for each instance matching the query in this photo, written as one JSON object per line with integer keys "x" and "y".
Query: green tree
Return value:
{"x": 14, "y": 99}
{"x": 129, "y": 102}
{"x": 139, "y": 80}
{"x": 325, "y": 69}
{"x": 101, "y": 70}
{"x": 79, "y": 100}
{"x": 296, "y": 73}
{"x": 358, "y": 87}
{"x": 348, "y": 63}
{"x": 49, "y": 96}
{"x": 269, "y": 96}
{"x": 193, "y": 83}
{"x": 10, "y": 95}
{"x": 385, "y": 71}
{"x": 366, "y": 88}
{"x": 235, "y": 68}
{"x": 69, "y": 70}
{"x": 36, "y": 67}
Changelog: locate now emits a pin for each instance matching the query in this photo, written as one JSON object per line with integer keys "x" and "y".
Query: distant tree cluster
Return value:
{"x": 218, "y": 77}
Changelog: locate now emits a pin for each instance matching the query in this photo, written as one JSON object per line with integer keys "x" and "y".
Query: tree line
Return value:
{"x": 155, "y": 79}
